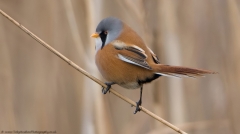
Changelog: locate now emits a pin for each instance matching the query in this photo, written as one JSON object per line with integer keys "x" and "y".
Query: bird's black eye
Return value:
{"x": 103, "y": 36}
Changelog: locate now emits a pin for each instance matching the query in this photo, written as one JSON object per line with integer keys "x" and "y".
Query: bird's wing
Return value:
{"x": 154, "y": 56}
{"x": 131, "y": 54}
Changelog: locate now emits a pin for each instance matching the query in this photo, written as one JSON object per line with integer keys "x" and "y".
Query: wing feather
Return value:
{"x": 131, "y": 54}
{"x": 136, "y": 50}
{"x": 138, "y": 62}
{"x": 154, "y": 56}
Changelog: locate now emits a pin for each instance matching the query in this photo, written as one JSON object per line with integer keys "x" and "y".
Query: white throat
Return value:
{"x": 98, "y": 44}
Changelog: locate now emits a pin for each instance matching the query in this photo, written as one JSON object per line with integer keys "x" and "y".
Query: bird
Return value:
{"x": 123, "y": 59}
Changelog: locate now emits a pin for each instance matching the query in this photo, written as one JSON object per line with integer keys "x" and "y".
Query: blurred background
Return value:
{"x": 39, "y": 91}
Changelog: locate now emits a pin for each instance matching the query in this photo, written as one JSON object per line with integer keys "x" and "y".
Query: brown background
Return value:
{"x": 38, "y": 91}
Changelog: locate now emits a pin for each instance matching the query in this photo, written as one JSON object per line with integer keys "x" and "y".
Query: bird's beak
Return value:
{"x": 95, "y": 35}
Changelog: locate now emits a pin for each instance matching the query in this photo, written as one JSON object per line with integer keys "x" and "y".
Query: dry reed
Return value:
{"x": 75, "y": 66}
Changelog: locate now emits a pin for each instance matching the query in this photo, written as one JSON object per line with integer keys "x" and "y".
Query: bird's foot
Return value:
{"x": 105, "y": 90}
{"x": 138, "y": 109}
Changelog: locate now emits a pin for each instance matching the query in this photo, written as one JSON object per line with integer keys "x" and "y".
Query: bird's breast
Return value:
{"x": 122, "y": 73}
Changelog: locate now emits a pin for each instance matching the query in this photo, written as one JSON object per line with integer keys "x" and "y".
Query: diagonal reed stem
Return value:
{"x": 75, "y": 66}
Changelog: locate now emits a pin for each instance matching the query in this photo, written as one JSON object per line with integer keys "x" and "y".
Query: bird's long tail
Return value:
{"x": 178, "y": 71}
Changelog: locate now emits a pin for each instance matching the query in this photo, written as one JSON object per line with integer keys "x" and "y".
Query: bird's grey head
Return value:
{"x": 108, "y": 30}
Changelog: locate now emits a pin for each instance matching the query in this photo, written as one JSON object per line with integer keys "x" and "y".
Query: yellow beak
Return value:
{"x": 95, "y": 35}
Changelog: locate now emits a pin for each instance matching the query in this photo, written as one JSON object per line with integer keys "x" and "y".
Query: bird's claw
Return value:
{"x": 138, "y": 109}
{"x": 107, "y": 89}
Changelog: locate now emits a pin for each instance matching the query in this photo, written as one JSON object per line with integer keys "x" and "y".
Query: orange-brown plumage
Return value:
{"x": 122, "y": 58}
{"x": 118, "y": 71}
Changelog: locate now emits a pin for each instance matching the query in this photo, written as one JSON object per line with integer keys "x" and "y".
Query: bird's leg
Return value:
{"x": 109, "y": 84}
{"x": 139, "y": 103}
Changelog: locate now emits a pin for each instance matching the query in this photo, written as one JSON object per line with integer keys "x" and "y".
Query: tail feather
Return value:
{"x": 178, "y": 71}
